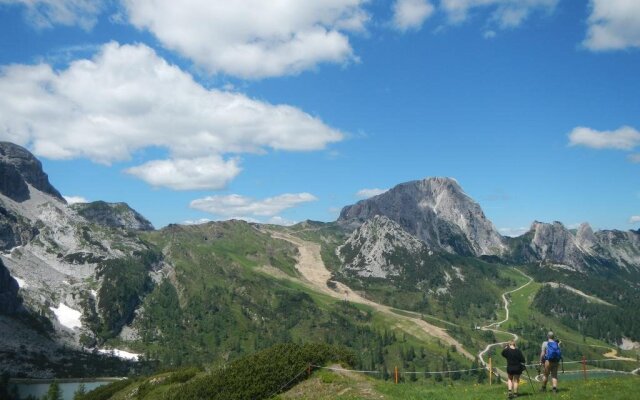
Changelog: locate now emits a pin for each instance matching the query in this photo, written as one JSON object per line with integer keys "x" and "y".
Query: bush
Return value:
{"x": 262, "y": 374}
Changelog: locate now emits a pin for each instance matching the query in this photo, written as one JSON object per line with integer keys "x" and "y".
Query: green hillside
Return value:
{"x": 291, "y": 372}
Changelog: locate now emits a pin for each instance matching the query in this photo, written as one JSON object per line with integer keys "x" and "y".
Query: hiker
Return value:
{"x": 550, "y": 356}
{"x": 515, "y": 366}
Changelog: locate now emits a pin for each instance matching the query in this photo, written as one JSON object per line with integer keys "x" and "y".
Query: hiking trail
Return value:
{"x": 315, "y": 275}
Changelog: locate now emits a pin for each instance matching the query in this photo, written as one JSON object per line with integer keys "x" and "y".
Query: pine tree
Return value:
{"x": 54, "y": 392}
{"x": 80, "y": 392}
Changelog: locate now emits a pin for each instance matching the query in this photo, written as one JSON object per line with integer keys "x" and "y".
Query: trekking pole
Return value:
{"x": 533, "y": 390}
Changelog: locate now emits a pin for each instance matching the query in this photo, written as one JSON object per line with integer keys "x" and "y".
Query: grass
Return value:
{"x": 610, "y": 388}
{"x": 326, "y": 384}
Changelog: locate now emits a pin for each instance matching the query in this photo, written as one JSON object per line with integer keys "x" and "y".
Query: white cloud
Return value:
{"x": 634, "y": 158}
{"x": 75, "y": 199}
{"x": 47, "y": 13}
{"x": 188, "y": 174}
{"x": 253, "y": 38}
{"x": 613, "y": 25}
{"x": 635, "y": 219}
{"x": 196, "y": 221}
{"x": 505, "y": 13}
{"x": 489, "y": 34}
{"x": 127, "y": 98}
{"x": 278, "y": 220}
{"x": 411, "y": 14}
{"x": 513, "y": 232}
{"x": 623, "y": 138}
{"x": 234, "y": 204}
{"x": 366, "y": 193}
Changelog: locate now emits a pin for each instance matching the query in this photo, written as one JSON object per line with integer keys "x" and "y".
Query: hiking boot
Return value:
{"x": 510, "y": 396}
{"x": 555, "y": 390}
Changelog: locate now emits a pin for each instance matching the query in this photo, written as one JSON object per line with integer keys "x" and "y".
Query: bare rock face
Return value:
{"x": 14, "y": 230}
{"x": 374, "y": 249}
{"x": 554, "y": 243}
{"x": 583, "y": 251}
{"x": 585, "y": 237}
{"x": 18, "y": 167}
{"x": 115, "y": 215}
{"x": 435, "y": 210}
{"x": 9, "y": 300}
{"x": 621, "y": 247}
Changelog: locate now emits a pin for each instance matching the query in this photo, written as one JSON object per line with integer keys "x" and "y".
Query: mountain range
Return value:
{"x": 98, "y": 275}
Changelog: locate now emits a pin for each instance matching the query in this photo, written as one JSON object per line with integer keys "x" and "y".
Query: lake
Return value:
{"x": 39, "y": 389}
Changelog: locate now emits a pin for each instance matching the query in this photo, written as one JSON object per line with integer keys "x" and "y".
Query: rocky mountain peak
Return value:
{"x": 437, "y": 211}
{"x": 115, "y": 215}
{"x": 585, "y": 236}
{"x": 18, "y": 167}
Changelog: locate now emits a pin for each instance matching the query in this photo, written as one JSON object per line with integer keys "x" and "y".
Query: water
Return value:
{"x": 68, "y": 388}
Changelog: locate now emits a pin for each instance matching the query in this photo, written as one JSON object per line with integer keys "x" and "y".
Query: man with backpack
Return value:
{"x": 550, "y": 356}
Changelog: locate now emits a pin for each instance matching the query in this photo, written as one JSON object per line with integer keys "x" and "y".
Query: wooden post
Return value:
{"x": 490, "y": 372}
{"x": 584, "y": 367}
{"x": 309, "y": 370}
{"x": 396, "y": 374}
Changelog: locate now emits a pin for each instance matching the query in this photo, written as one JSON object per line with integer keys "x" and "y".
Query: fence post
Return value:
{"x": 396, "y": 374}
{"x": 490, "y": 372}
{"x": 309, "y": 370}
{"x": 584, "y": 367}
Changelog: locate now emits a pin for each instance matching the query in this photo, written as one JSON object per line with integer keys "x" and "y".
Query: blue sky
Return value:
{"x": 285, "y": 111}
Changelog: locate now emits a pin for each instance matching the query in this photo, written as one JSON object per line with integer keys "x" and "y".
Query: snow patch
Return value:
{"x": 94, "y": 294}
{"x": 120, "y": 354}
{"x": 67, "y": 316}
{"x": 21, "y": 283}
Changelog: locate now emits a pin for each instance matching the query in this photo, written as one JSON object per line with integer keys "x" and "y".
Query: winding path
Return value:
{"x": 315, "y": 275}
{"x": 492, "y": 327}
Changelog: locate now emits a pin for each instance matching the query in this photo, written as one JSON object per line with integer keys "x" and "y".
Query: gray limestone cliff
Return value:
{"x": 553, "y": 243}
{"x": 435, "y": 210}
{"x": 18, "y": 167}
{"x": 115, "y": 215}
{"x": 9, "y": 300}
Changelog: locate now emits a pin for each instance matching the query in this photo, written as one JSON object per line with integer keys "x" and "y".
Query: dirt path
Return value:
{"x": 315, "y": 274}
{"x": 579, "y": 293}
{"x": 613, "y": 354}
{"x": 492, "y": 327}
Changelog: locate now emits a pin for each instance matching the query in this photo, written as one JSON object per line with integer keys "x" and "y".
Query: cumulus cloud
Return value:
{"x": 75, "y": 199}
{"x": 411, "y": 14}
{"x": 47, "y": 13}
{"x": 253, "y": 38}
{"x": 623, "y": 138}
{"x": 188, "y": 174}
{"x": 366, "y": 193}
{"x": 126, "y": 98}
{"x": 278, "y": 220}
{"x": 613, "y": 25}
{"x": 235, "y": 204}
{"x": 635, "y": 219}
{"x": 505, "y": 13}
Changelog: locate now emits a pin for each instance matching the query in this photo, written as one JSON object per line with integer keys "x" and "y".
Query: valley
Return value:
{"x": 415, "y": 278}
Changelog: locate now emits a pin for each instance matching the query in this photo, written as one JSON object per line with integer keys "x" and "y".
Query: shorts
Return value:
{"x": 551, "y": 367}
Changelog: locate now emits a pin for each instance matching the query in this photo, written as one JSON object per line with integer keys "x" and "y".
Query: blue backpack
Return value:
{"x": 553, "y": 351}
